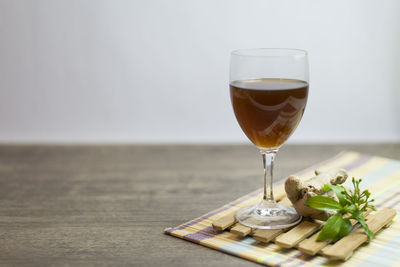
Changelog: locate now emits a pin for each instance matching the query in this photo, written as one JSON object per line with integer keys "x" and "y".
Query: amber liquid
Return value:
{"x": 269, "y": 110}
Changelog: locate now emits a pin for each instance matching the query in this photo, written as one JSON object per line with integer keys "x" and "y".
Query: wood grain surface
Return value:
{"x": 108, "y": 205}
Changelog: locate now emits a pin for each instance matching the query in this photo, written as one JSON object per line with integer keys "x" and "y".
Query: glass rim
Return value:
{"x": 269, "y": 52}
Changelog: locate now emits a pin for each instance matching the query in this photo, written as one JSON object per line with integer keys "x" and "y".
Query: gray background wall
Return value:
{"x": 157, "y": 71}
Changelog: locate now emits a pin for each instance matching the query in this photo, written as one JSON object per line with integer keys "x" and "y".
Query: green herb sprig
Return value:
{"x": 351, "y": 205}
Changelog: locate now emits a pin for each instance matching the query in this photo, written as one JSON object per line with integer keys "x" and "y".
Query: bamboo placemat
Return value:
{"x": 380, "y": 175}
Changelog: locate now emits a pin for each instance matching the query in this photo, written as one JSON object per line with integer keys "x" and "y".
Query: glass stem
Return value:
{"x": 268, "y": 157}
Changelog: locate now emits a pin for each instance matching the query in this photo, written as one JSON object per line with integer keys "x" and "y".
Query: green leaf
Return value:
{"x": 346, "y": 228}
{"x": 331, "y": 228}
{"x": 351, "y": 202}
{"x": 338, "y": 189}
{"x": 369, "y": 233}
{"x": 323, "y": 203}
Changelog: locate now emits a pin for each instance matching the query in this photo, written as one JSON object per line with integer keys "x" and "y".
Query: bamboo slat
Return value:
{"x": 344, "y": 248}
{"x": 266, "y": 235}
{"x": 240, "y": 230}
{"x": 297, "y": 234}
{"x": 311, "y": 246}
{"x": 225, "y": 221}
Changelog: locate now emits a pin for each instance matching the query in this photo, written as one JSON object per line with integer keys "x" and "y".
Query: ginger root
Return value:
{"x": 299, "y": 191}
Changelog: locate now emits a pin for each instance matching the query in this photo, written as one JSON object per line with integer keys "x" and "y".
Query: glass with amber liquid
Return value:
{"x": 269, "y": 90}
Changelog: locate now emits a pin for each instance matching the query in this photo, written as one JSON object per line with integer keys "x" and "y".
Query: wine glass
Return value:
{"x": 269, "y": 90}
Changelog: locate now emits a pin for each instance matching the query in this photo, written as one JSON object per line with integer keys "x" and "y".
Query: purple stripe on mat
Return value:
{"x": 360, "y": 161}
{"x": 394, "y": 204}
{"x": 205, "y": 233}
{"x": 289, "y": 259}
{"x": 215, "y": 212}
{"x": 388, "y": 199}
{"x": 169, "y": 230}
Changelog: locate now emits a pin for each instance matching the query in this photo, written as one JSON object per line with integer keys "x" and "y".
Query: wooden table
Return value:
{"x": 108, "y": 205}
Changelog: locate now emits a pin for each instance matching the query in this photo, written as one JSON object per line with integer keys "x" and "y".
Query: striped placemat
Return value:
{"x": 380, "y": 175}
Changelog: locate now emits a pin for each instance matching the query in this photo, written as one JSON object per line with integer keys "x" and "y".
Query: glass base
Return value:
{"x": 268, "y": 215}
